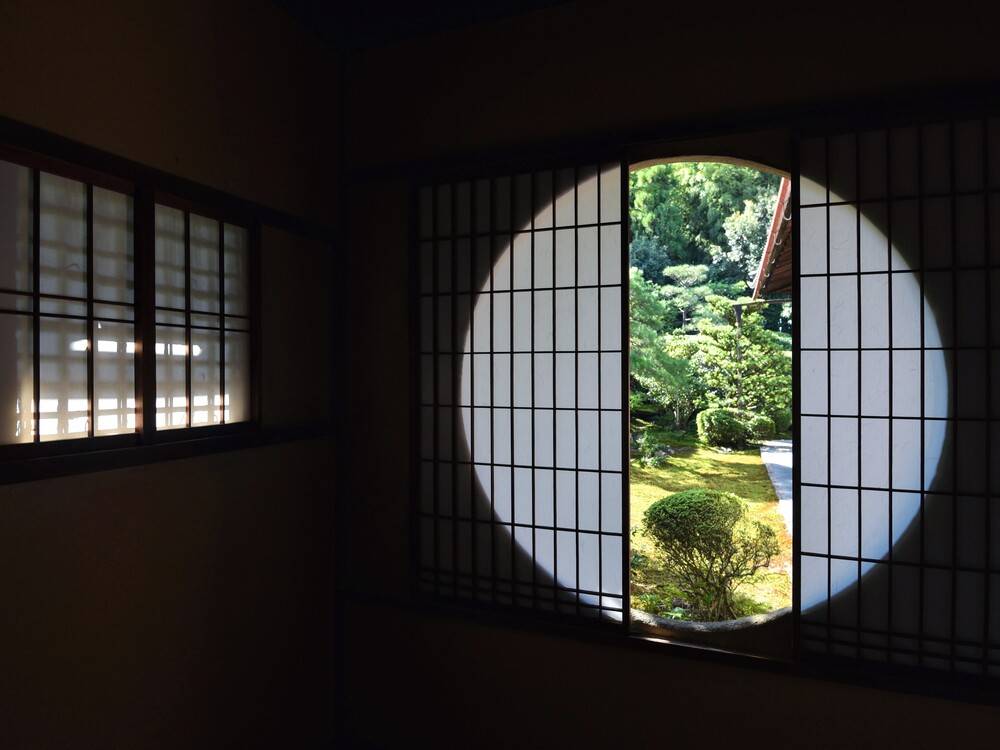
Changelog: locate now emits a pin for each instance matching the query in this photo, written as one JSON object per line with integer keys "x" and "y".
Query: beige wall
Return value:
{"x": 576, "y": 70}
{"x": 231, "y": 94}
{"x": 180, "y": 604}
{"x": 184, "y": 603}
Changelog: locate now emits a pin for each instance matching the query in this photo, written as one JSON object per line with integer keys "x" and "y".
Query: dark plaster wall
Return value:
{"x": 184, "y": 603}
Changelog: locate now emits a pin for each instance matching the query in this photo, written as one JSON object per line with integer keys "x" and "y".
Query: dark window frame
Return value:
{"x": 795, "y": 123}
{"x": 223, "y": 218}
{"x": 145, "y": 188}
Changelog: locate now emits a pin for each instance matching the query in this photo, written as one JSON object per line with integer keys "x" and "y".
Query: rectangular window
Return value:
{"x": 202, "y": 320}
{"x": 67, "y": 308}
{"x": 73, "y": 311}
{"x": 521, "y": 335}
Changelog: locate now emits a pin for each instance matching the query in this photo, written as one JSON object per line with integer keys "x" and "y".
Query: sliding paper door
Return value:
{"x": 521, "y": 346}
{"x": 898, "y": 263}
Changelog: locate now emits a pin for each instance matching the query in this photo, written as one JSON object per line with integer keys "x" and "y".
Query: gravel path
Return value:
{"x": 777, "y": 457}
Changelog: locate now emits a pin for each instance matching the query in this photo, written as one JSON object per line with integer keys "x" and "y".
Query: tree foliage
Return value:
{"x": 685, "y": 291}
{"x": 732, "y": 428}
{"x": 699, "y": 230}
{"x": 658, "y": 364}
{"x": 744, "y": 366}
{"x": 709, "y": 547}
{"x": 700, "y": 213}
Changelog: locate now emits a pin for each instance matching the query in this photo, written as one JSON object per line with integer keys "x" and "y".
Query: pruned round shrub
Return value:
{"x": 709, "y": 547}
{"x": 733, "y": 428}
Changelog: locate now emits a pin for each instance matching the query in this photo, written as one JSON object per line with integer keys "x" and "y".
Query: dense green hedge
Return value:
{"x": 733, "y": 428}
{"x": 761, "y": 427}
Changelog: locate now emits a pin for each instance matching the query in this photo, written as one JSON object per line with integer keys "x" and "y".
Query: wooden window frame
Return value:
{"x": 908, "y": 107}
{"x": 40, "y": 151}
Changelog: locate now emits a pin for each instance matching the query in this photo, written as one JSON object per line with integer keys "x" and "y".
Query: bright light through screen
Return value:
{"x": 906, "y": 455}
{"x": 588, "y": 561}
{"x": 906, "y": 469}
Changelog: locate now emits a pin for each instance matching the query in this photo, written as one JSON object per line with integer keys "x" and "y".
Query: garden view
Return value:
{"x": 710, "y": 382}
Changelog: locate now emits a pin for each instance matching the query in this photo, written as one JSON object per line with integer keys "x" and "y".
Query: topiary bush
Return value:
{"x": 733, "y": 428}
{"x": 709, "y": 546}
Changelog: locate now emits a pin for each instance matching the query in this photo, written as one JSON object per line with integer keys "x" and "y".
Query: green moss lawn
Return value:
{"x": 691, "y": 466}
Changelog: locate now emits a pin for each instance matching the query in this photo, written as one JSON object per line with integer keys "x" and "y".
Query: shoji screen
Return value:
{"x": 67, "y": 308}
{"x": 899, "y": 258}
{"x": 202, "y": 320}
{"x": 520, "y": 489}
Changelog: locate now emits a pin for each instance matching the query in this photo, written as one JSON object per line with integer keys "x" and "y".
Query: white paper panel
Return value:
{"x": 544, "y": 383}
{"x": 814, "y": 450}
{"x": 63, "y": 231}
{"x": 814, "y": 519}
{"x": 812, "y": 241}
{"x": 236, "y": 262}
{"x": 843, "y": 239}
{"x": 875, "y": 311}
{"x": 814, "y": 375}
{"x": 844, "y": 522}
{"x": 611, "y": 503}
{"x": 909, "y": 355}
{"x": 586, "y": 320}
{"x": 16, "y": 378}
{"x": 586, "y": 194}
{"x": 565, "y": 197}
{"x": 587, "y": 254}
{"x": 171, "y": 380}
{"x": 844, "y": 382}
{"x": 566, "y": 394}
{"x": 565, "y": 251}
{"x": 170, "y": 269}
{"x": 813, "y": 312}
{"x": 563, "y": 379}
{"x": 589, "y": 375}
{"x": 875, "y": 377}
{"x": 875, "y": 452}
{"x": 843, "y": 311}
{"x": 544, "y": 327}
{"x": 844, "y": 450}
{"x": 205, "y": 282}
{"x": 611, "y": 255}
{"x": 906, "y": 310}
{"x": 237, "y": 395}
{"x": 611, "y": 380}
{"x": 206, "y": 377}
{"x": 15, "y": 227}
{"x": 611, "y": 193}
{"x": 113, "y": 246}
{"x": 64, "y": 405}
{"x": 114, "y": 378}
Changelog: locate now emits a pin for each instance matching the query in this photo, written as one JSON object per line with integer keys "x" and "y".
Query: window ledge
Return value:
{"x": 95, "y": 457}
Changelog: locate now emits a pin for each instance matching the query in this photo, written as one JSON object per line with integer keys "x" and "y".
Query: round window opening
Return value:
{"x": 710, "y": 392}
